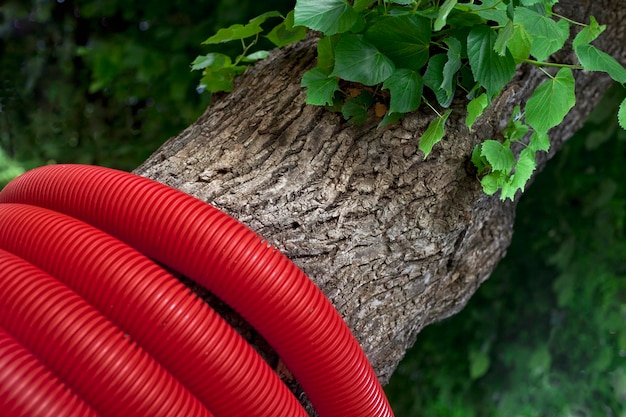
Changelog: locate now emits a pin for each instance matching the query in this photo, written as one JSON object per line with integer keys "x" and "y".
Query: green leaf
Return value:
{"x": 433, "y": 78}
{"x": 286, "y": 33}
{"x": 475, "y": 109}
{"x": 539, "y": 141}
{"x": 359, "y": 61}
{"x": 540, "y": 361}
{"x": 360, "y": 5}
{"x": 215, "y": 80}
{"x": 320, "y": 87}
{"x": 256, "y": 56}
{"x": 327, "y": 16}
{"x": 547, "y": 36}
{"x": 589, "y": 33}
{"x": 405, "y": 39}
{"x": 495, "y": 10}
{"x": 593, "y": 59}
{"x": 493, "y": 182}
{"x": 406, "y": 87}
{"x": 355, "y": 109}
{"x": 390, "y": 118}
{"x": 434, "y": 133}
{"x": 523, "y": 170}
{"x": 520, "y": 43}
{"x": 478, "y": 160}
{"x": 444, "y": 11}
{"x": 515, "y": 130}
{"x": 499, "y": 156}
{"x": 479, "y": 363}
{"x": 491, "y": 70}
{"x": 551, "y": 101}
{"x": 238, "y": 31}
{"x": 621, "y": 115}
{"x": 326, "y": 54}
{"x": 210, "y": 60}
{"x": 504, "y": 36}
{"x": 451, "y": 67}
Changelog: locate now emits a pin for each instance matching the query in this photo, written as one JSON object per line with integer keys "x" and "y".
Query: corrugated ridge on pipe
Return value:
{"x": 85, "y": 350}
{"x": 29, "y": 389}
{"x": 232, "y": 262}
{"x": 162, "y": 315}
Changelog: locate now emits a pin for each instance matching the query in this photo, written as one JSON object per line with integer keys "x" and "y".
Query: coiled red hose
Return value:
{"x": 84, "y": 349}
{"x": 231, "y": 261}
{"x": 158, "y": 312}
{"x": 28, "y": 388}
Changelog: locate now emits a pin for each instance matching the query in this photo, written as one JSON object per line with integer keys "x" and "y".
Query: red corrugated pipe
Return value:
{"x": 28, "y": 388}
{"x": 158, "y": 312}
{"x": 84, "y": 349}
{"x": 221, "y": 254}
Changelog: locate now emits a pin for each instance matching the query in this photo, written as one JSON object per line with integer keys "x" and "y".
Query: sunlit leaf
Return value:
{"x": 434, "y": 133}
{"x": 492, "y": 182}
{"x": 256, "y": 56}
{"x": 539, "y": 141}
{"x": 593, "y": 59}
{"x": 475, "y": 109}
{"x": 551, "y": 101}
{"x": 524, "y": 169}
{"x": 499, "y": 156}
{"x": 589, "y": 33}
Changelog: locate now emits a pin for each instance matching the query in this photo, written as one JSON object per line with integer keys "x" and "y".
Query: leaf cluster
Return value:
{"x": 219, "y": 70}
{"x": 545, "y": 335}
{"x": 392, "y": 56}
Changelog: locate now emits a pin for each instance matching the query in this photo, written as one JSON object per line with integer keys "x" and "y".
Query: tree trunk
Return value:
{"x": 395, "y": 241}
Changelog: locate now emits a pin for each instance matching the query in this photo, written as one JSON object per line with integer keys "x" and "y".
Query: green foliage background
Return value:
{"x": 107, "y": 82}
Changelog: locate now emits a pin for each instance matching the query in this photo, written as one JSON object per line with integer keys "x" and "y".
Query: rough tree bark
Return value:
{"x": 395, "y": 241}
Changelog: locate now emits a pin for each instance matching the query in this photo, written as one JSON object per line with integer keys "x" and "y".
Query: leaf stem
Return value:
{"x": 550, "y": 64}
{"x": 573, "y": 22}
{"x": 433, "y": 109}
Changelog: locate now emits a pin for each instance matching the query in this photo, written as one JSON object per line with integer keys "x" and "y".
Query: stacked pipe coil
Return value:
{"x": 94, "y": 326}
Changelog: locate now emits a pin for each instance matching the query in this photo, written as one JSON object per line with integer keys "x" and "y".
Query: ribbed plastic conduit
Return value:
{"x": 29, "y": 389}
{"x": 224, "y": 256}
{"x": 163, "y": 316}
{"x": 85, "y": 350}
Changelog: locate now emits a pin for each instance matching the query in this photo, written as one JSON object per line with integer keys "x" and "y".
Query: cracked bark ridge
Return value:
{"x": 395, "y": 241}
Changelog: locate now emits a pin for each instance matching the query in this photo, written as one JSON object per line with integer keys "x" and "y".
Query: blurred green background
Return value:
{"x": 107, "y": 82}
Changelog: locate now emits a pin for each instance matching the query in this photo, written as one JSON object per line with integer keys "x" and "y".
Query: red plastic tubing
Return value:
{"x": 224, "y": 256}
{"x": 174, "y": 326}
{"x": 29, "y": 388}
{"x": 84, "y": 349}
